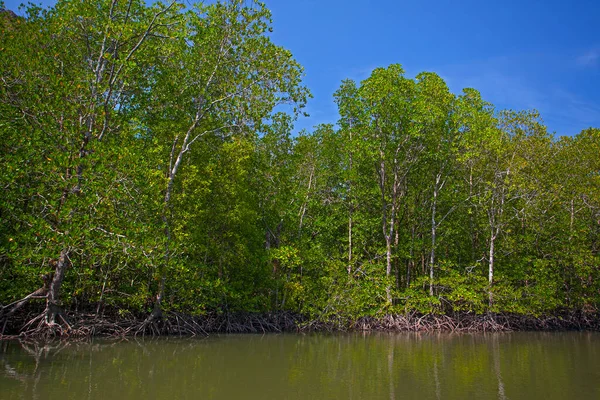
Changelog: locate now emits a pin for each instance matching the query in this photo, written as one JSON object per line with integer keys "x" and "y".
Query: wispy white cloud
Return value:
{"x": 514, "y": 82}
{"x": 510, "y": 82}
{"x": 570, "y": 112}
{"x": 498, "y": 81}
{"x": 591, "y": 58}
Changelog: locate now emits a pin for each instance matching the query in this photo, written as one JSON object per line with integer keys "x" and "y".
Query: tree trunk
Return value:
{"x": 433, "y": 236}
{"x": 53, "y": 297}
{"x": 157, "y": 310}
{"x": 411, "y": 262}
{"x": 388, "y": 266}
{"x": 351, "y": 208}
{"x": 491, "y": 267}
{"x": 471, "y": 219}
{"x": 350, "y": 243}
{"x": 396, "y": 259}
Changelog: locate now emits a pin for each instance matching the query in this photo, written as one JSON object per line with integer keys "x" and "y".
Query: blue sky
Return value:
{"x": 519, "y": 54}
{"x": 542, "y": 54}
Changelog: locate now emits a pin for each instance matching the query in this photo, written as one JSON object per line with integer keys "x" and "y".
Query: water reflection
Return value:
{"x": 496, "y": 356}
{"x": 355, "y": 366}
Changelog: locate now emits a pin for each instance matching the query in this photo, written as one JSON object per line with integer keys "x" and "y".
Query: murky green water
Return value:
{"x": 374, "y": 366}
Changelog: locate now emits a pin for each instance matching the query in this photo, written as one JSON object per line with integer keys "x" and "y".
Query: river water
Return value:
{"x": 309, "y": 367}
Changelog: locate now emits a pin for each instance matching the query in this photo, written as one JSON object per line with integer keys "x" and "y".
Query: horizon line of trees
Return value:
{"x": 147, "y": 166}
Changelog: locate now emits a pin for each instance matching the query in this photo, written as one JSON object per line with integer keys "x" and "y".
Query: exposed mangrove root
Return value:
{"x": 52, "y": 321}
{"x": 463, "y": 323}
{"x": 79, "y": 325}
{"x": 7, "y": 311}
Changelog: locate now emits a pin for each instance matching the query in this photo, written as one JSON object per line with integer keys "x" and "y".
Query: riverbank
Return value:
{"x": 77, "y": 324}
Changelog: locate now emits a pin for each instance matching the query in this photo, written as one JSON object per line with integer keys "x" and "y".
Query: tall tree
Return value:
{"x": 395, "y": 141}
{"x": 90, "y": 64}
{"x": 222, "y": 76}
{"x": 434, "y": 115}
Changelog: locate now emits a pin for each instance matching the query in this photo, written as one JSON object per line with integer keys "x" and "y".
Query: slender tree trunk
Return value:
{"x": 433, "y": 235}
{"x": 53, "y": 297}
{"x": 491, "y": 267}
{"x": 396, "y": 259}
{"x": 157, "y": 310}
{"x": 388, "y": 230}
{"x": 350, "y": 243}
{"x": 307, "y": 197}
{"x": 174, "y": 163}
{"x": 384, "y": 226}
{"x": 388, "y": 248}
{"x": 388, "y": 268}
{"x": 572, "y": 220}
{"x": 432, "y": 260}
{"x": 411, "y": 261}
{"x": 351, "y": 208}
{"x": 471, "y": 220}
{"x": 392, "y": 225}
{"x": 495, "y": 221}
{"x": 568, "y": 272}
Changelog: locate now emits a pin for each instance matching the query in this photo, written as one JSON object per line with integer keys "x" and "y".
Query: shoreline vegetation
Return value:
{"x": 149, "y": 172}
{"x": 84, "y": 325}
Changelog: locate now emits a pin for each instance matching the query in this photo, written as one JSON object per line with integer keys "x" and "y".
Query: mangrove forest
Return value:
{"x": 152, "y": 181}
